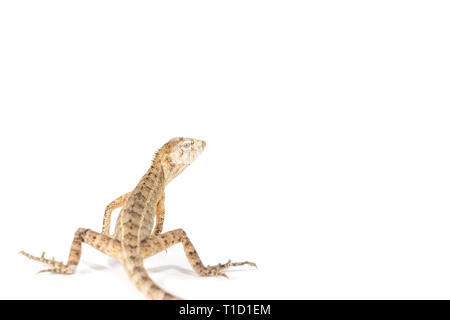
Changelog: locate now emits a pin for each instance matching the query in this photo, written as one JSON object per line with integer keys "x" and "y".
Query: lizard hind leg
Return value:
{"x": 158, "y": 243}
{"x": 99, "y": 241}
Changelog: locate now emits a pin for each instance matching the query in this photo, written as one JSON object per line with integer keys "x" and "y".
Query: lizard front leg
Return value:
{"x": 160, "y": 213}
{"x": 120, "y": 201}
{"x": 158, "y": 243}
{"x": 99, "y": 241}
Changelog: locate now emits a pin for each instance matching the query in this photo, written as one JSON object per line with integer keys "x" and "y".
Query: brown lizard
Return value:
{"x": 136, "y": 235}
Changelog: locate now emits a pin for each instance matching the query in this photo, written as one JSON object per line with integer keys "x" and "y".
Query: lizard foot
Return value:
{"x": 57, "y": 267}
{"x": 216, "y": 270}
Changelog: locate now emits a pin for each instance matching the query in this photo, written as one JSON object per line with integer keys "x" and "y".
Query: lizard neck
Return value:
{"x": 154, "y": 177}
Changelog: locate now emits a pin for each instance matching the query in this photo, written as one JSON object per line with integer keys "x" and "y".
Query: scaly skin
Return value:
{"x": 136, "y": 234}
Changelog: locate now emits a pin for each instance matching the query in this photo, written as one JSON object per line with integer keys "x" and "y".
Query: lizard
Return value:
{"x": 138, "y": 230}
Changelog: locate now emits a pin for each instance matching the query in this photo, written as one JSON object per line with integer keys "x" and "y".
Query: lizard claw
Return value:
{"x": 46, "y": 270}
{"x": 57, "y": 267}
{"x": 234, "y": 264}
{"x": 63, "y": 270}
{"x": 243, "y": 263}
{"x": 216, "y": 270}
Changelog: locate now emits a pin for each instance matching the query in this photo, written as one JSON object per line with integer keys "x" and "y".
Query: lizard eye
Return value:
{"x": 186, "y": 145}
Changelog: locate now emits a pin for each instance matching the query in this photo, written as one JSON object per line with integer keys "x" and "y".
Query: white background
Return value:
{"x": 327, "y": 129}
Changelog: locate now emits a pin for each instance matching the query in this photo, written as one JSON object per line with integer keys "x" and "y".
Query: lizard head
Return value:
{"x": 178, "y": 154}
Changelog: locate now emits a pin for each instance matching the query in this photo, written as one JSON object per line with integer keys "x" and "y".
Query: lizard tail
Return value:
{"x": 140, "y": 278}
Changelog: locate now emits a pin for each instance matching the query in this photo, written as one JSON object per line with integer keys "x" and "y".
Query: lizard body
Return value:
{"x": 138, "y": 228}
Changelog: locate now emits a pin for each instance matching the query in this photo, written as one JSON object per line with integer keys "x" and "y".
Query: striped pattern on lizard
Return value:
{"x": 139, "y": 225}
